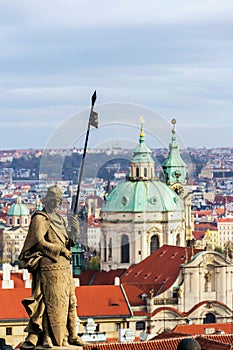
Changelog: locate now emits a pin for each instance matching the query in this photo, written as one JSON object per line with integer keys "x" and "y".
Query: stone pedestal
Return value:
{"x": 70, "y": 347}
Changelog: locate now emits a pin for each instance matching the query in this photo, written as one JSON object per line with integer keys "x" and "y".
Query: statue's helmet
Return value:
{"x": 52, "y": 192}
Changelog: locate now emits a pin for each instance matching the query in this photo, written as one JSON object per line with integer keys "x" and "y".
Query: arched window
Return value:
{"x": 92, "y": 208}
{"x": 18, "y": 221}
{"x": 137, "y": 172}
{"x": 178, "y": 240}
{"x": 209, "y": 318}
{"x": 110, "y": 249}
{"x": 10, "y": 221}
{"x": 154, "y": 243}
{"x": 145, "y": 172}
{"x": 124, "y": 249}
{"x": 140, "y": 326}
{"x": 105, "y": 249}
{"x": 25, "y": 221}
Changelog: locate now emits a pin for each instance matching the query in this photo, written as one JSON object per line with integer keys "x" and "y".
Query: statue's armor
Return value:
{"x": 53, "y": 291}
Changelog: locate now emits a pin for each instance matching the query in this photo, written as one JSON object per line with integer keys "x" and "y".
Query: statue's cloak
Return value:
{"x": 51, "y": 276}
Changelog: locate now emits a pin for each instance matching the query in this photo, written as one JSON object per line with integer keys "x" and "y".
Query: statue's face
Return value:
{"x": 52, "y": 202}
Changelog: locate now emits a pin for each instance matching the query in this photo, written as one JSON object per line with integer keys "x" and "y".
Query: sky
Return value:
{"x": 167, "y": 59}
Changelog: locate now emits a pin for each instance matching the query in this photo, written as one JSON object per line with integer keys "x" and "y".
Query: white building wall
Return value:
{"x": 139, "y": 228}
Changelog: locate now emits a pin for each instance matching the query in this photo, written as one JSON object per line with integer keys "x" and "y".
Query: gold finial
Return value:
{"x": 142, "y": 120}
{"x": 173, "y": 121}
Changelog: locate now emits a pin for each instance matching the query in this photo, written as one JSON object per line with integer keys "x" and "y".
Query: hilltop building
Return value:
{"x": 144, "y": 213}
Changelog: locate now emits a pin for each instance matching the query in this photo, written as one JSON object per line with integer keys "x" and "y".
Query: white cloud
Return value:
{"x": 172, "y": 56}
{"x": 89, "y": 13}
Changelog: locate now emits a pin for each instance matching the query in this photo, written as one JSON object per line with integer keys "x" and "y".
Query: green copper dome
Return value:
{"x": 18, "y": 209}
{"x": 141, "y": 192}
{"x": 142, "y": 196}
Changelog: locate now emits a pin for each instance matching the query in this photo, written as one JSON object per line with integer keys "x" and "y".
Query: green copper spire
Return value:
{"x": 174, "y": 167}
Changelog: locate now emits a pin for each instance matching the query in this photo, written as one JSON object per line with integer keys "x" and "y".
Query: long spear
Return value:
{"x": 93, "y": 120}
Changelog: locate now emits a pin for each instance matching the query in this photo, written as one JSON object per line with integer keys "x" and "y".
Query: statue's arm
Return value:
{"x": 53, "y": 250}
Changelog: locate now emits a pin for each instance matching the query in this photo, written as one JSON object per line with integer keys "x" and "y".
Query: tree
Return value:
{"x": 94, "y": 263}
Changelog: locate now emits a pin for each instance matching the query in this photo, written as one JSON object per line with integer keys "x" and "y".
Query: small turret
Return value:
{"x": 174, "y": 167}
{"x": 142, "y": 164}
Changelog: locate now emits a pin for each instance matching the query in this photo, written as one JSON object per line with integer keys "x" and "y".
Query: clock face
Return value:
{"x": 178, "y": 188}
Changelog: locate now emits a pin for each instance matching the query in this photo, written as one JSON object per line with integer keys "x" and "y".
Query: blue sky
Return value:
{"x": 172, "y": 56}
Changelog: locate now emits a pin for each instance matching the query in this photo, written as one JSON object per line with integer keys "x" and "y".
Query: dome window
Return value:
{"x": 124, "y": 200}
{"x": 153, "y": 200}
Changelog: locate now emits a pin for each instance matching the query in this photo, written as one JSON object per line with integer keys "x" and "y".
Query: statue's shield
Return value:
{"x": 56, "y": 289}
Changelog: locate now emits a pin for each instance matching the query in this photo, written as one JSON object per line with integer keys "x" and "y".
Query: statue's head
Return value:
{"x": 53, "y": 198}
{"x": 189, "y": 344}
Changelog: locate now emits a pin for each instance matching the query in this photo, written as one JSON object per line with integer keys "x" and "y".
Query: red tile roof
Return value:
{"x": 134, "y": 292}
{"x": 107, "y": 277}
{"x": 217, "y": 211}
{"x": 11, "y": 306}
{"x": 101, "y": 301}
{"x": 198, "y": 235}
{"x": 204, "y": 226}
{"x": 223, "y": 199}
{"x": 17, "y": 277}
{"x": 210, "y": 344}
{"x": 86, "y": 277}
{"x": 96, "y": 277}
{"x": 198, "y": 329}
{"x": 93, "y": 222}
{"x": 225, "y": 220}
{"x": 161, "y": 344}
{"x": 18, "y": 280}
{"x": 160, "y": 268}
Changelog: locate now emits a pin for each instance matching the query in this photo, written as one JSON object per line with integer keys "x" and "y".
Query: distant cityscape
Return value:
{"x": 210, "y": 175}
{"x": 182, "y": 206}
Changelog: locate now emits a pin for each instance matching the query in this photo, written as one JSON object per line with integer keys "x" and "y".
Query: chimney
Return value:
{"x": 27, "y": 279}
{"x": 7, "y": 283}
{"x": 76, "y": 282}
{"x": 116, "y": 281}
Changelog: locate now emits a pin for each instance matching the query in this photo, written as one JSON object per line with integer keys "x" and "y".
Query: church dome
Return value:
{"x": 18, "y": 209}
{"x": 142, "y": 191}
{"x": 142, "y": 196}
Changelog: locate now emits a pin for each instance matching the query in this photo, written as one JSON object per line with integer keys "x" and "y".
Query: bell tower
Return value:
{"x": 174, "y": 167}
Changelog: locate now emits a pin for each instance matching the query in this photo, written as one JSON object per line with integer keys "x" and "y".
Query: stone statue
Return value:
{"x": 208, "y": 276}
{"x": 47, "y": 254}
